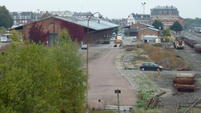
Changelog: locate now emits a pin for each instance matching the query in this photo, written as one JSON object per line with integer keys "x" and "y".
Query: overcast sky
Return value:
{"x": 109, "y": 8}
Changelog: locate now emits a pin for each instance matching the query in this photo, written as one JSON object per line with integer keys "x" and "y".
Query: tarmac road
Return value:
{"x": 104, "y": 79}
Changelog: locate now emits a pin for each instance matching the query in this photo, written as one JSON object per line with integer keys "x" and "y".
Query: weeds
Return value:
{"x": 106, "y": 111}
{"x": 167, "y": 58}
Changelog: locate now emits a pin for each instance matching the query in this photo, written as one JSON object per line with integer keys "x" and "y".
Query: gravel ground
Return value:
{"x": 164, "y": 82}
{"x": 192, "y": 57}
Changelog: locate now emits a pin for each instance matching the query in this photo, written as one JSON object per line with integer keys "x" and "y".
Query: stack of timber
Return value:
{"x": 185, "y": 82}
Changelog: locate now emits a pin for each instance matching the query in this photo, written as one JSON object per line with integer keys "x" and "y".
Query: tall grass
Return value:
{"x": 167, "y": 58}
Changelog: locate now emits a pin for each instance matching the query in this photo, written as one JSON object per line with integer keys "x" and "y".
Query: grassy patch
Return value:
{"x": 146, "y": 90}
{"x": 104, "y": 111}
{"x": 147, "y": 111}
{"x": 165, "y": 57}
{"x": 193, "y": 110}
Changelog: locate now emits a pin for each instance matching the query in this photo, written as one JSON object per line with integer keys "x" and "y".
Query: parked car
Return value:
{"x": 150, "y": 66}
{"x": 5, "y": 38}
{"x": 83, "y": 46}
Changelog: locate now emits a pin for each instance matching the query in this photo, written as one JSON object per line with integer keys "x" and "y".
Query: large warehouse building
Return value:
{"x": 167, "y": 15}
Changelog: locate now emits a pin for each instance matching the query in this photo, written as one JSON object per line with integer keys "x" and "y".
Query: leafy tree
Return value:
{"x": 166, "y": 32}
{"x": 157, "y": 24}
{"x": 191, "y": 23}
{"x": 5, "y": 18}
{"x": 176, "y": 27}
{"x": 15, "y": 35}
{"x": 2, "y": 30}
{"x": 39, "y": 79}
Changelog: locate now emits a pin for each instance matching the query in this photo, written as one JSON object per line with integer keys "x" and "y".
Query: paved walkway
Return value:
{"x": 104, "y": 78}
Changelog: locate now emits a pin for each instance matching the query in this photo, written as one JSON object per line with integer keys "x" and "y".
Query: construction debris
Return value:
{"x": 153, "y": 102}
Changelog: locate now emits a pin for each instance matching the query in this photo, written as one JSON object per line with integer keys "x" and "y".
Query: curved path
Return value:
{"x": 104, "y": 78}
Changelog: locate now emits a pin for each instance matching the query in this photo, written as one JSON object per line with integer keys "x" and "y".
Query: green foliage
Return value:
{"x": 5, "y": 18}
{"x": 104, "y": 111}
{"x": 166, "y": 32}
{"x": 144, "y": 96}
{"x": 176, "y": 27}
{"x": 39, "y": 79}
{"x": 190, "y": 23}
{"x": 167, "y": 58}
{"x": 157, "y": 24}
{"x": 64, "y": 36}
{"x": 2, "y": 30}
{"x": 146, "y": 111}
{"x": 15, "y": 35}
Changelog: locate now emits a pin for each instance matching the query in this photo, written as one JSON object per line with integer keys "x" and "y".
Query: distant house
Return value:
{"x": 138, "y": 18}
{"x": 61, "y": 13}
{"x": 82, "y": 14}
{"x": 20, "y": 18}
{"x": 46, "y": 30}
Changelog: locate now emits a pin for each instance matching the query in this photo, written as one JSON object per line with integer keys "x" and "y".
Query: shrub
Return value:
{"x": 39, "y": 79}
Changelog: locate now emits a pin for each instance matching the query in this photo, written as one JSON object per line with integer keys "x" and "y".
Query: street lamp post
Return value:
{"x": 89, "y": 18}
{"x": 87, "y": 60}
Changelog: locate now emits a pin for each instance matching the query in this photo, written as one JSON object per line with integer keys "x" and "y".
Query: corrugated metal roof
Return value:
{"x": 94, "y": 23}
{"x": 151, "y": 28}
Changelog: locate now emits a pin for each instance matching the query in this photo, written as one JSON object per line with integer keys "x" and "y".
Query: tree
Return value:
{"x": 5, "y": 18}
{"x": 39, "y": 79}
{"x": 166, "y": 35}
{"x": 158, "y": 25}
{"x": 191, "y": 23}
{"x": 177, "y": 27}
{"x": 2, "y": 30}
{"x": 15, "y": 35}
{"x": 166, "y": 32}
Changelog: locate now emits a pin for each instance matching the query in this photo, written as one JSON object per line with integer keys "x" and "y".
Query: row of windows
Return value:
{"x": 164, "y": 12}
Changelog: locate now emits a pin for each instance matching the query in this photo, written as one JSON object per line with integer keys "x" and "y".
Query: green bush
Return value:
{"x": 39, "y": 79}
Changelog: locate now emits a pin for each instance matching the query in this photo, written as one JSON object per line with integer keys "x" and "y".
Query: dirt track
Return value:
{"x": 104, "y": 78}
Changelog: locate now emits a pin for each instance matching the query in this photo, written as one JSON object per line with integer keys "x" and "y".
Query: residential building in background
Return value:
{"x": 82, "y": 14}
{"x": 167, "y": 15}
{"x": 61, "y": 13}
{"x": 20, "y": 18}
{"x": 121, "y": 22}
{"x": 138, "y": 18}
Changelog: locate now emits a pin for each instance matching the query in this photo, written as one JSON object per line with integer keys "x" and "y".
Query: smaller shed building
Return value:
{"x": 147, "y": 31}
{"x": 151, "y": 39}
